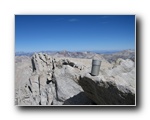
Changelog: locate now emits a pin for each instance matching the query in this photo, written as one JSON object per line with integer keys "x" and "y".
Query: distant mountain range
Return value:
{"x": 125, "y": 54}
{"x": 70, "y": 53}
{"x": 110, "y": 56}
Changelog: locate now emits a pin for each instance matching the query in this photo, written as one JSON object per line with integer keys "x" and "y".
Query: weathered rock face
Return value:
{"x": 45, "y": 80}
{"x": 112, "y": 87}
{"x": 52, "y": 81}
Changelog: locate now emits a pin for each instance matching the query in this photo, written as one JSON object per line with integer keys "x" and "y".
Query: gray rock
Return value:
{"x": 113, "y": 86}
{"x": 46, "y": 80}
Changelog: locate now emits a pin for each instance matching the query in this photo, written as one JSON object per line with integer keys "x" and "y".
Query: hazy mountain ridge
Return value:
{"x": 111, "y": 56}
{"x": 126, "y": 54}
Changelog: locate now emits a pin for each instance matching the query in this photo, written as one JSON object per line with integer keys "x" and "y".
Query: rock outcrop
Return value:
{"x": 52, "y": 81}
{"x": 113, "y": 86}
{"x": 48, "y": 80}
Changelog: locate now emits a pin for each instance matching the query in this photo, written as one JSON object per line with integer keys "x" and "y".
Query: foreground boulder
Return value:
{"x": 112, "y": 87}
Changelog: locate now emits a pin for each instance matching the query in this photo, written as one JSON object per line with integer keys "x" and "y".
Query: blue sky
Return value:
{"x": 74, "y": 32}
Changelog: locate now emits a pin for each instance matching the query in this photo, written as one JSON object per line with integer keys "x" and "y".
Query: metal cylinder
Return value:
{"x": 95, "y": 67}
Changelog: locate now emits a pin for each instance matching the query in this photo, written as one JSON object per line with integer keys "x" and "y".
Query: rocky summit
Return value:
{"x": 44, "y": 79}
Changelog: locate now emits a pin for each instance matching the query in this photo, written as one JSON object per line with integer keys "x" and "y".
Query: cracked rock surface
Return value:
{"x": 43, "y": 79}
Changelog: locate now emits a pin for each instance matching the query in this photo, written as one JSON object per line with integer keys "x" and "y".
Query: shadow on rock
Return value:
{"x": 102, "y": 95}
{"x": 79, "y": 99}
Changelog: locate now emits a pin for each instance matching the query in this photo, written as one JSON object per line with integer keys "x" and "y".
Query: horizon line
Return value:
{"x": 74, "y": 50}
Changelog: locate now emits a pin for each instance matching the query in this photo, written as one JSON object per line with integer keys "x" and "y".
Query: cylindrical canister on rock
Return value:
{"x": 95, "y": 67}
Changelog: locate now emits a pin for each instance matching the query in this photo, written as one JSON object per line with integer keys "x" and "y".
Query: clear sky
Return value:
{"x": 74, "y": 32}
